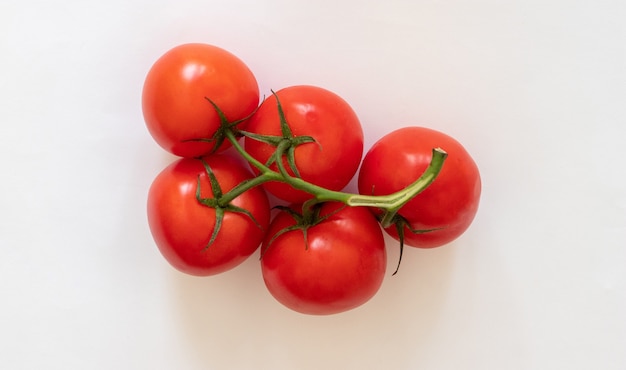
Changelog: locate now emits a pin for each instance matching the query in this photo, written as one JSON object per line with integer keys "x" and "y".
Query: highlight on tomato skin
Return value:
{"x": 182, "y": 227}
{"x": 339, "y": 267}
{"x": 175, "y": 92}
{"x": 447, "y": 207}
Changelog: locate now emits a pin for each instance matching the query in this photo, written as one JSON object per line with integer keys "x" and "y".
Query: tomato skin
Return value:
{"x": 174, "y": 96}
{"x": 323, "y": 115}
{"x": 342, "y": 268}
{"x": 450, "y": 202}
{"x": 182, "y": 227}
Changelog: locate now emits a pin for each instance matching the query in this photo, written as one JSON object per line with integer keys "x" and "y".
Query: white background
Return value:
{"x": 535, "y": 89}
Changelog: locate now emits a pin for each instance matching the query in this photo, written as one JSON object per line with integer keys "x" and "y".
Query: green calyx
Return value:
{"x": 285, "y": 144}
{"x": 401, "y": 224}
{"x": 307, "y": 218}
{"x": 220, "y": 207}
{"x": 225, "y": 128}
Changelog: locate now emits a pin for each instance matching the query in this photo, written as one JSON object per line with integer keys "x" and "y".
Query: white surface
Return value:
{"x": 536, "y": 90}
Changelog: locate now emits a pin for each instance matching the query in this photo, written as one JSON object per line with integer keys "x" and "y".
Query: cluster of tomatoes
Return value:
{"x": 322, "y": 251}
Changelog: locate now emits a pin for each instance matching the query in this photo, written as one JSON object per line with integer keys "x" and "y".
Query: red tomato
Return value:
{"x": 182, "y": 227}
{"x": 333, "y": 160}
{"x": 341, "y": 268}
{"x": 174, "y": 101}
{"x": 449, "y": 204}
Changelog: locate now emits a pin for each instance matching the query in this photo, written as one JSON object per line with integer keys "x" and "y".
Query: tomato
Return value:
{"x": 332, "y": 160}
{"x": 182, "y": 227}
{"x": 175, "y": 92}
{"x": 448, "y": 206}
{"x": 339, "y": 267}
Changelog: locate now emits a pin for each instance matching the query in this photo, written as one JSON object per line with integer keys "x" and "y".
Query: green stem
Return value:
{"x": 390, "y": 203}
{"x": 242, "y": 187}
{"x": 398, "y": 199}
{"x": 266, "y": 173}
{"x": 235, "y": 142}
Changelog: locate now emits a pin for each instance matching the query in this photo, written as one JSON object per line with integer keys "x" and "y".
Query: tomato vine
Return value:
{"x": 309, "y": 216}
{"x": 285, "y": 146}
